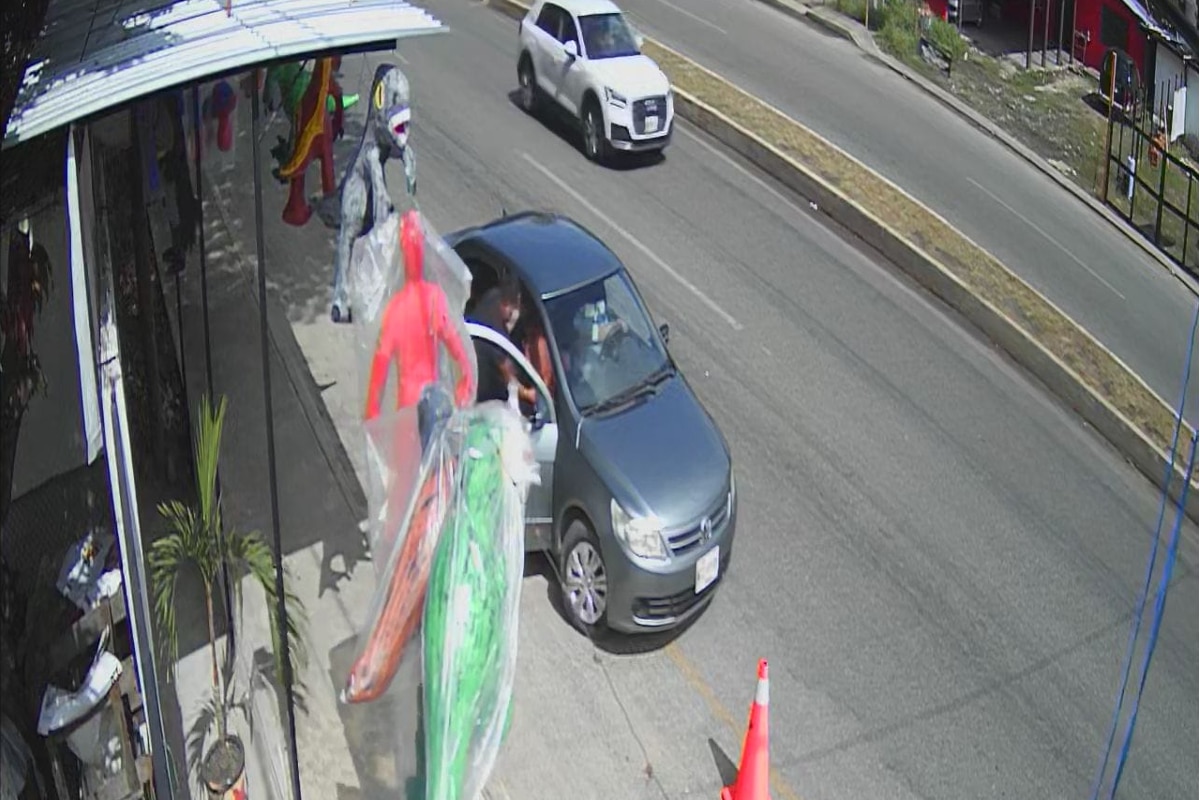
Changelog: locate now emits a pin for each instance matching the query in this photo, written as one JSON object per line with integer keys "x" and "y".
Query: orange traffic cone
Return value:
{"x": 751, "y": 783}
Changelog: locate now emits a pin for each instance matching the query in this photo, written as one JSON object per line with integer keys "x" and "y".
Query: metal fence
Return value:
{"x": 1154, "y": 189}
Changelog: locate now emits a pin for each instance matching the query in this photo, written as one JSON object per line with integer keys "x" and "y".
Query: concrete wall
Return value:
{"x": 1191, "y": 127}
{"x": 1169, "y": 75}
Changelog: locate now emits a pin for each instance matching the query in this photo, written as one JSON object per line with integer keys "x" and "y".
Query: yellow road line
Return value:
{"x": 779, "y": 786}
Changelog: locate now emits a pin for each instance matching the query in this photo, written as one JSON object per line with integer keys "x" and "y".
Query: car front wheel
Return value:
{"x": 584, "y": 579}
{"x": 595, "y": 143}
{"x": 528, "y": 86}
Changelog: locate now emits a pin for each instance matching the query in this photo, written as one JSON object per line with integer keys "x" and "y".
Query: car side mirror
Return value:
{"x": 639, "y": 40}
{"x": 572, "y": 49}
{"x": 664, "y": 331}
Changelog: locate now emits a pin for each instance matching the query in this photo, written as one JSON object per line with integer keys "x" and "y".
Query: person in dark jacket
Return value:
{"x": 500, "y": 310}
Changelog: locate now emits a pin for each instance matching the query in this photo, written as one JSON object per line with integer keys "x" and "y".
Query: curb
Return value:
{"x": 1059, "y": 378}
{"x": 843, "y": 29}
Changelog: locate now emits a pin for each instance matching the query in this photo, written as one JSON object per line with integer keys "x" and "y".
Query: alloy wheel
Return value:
{"x": 591, "y": 134}
{"x": 586, "y": 583}
{"x": 526, "y": 82}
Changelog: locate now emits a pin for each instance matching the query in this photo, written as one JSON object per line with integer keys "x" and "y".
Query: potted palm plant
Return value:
{"x": 196, "y": 541}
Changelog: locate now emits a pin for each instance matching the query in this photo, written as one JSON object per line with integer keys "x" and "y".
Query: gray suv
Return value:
{"x": 637, "y": 505}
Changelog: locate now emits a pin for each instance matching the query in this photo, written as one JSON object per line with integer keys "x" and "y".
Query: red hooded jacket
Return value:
{"x": 415, "y": 321}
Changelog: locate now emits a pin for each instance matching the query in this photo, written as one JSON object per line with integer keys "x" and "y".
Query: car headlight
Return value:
{"x": 614, "y": 98}
{"x": 642, "y": 535}
{"x": 732, "y": 492}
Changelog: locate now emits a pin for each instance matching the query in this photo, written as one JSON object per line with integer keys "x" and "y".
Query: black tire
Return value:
{"x": 583, "y": 578}
{"x": 595, "y": 140}
{"x": 528, "y": 85}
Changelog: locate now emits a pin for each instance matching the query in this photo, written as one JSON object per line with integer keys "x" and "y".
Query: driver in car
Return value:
{"x": 593, "y": 326}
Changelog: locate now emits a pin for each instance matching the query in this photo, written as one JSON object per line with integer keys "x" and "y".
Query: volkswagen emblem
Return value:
{"x": 705, "y": 529}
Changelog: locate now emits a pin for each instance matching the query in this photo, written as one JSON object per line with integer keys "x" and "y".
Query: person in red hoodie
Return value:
{"x": 415, "y": 322}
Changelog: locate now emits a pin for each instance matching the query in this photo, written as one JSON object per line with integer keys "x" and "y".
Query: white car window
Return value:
{"x": 560, "y": 25}
{"x": 608, "y": 36}
{"x": 549, "y": 19}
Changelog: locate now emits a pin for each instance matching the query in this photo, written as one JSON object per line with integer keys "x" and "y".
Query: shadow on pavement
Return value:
{"x": 386, "y": 736}
{"x": 726, "y": 768}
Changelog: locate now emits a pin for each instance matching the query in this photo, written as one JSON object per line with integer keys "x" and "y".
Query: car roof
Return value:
{"x": 550, "y": 252}
{"x": 582, "y": 8}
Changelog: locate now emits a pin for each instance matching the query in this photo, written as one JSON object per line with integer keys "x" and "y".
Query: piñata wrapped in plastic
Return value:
{"x": 407, "y": 290}
{"x": 471, "y": 608}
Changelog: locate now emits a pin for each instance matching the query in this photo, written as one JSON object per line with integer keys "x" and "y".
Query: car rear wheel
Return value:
{"x": 584, "y": 579}
{"x": 528, "y": 86}
{"x": 595, "y": 143}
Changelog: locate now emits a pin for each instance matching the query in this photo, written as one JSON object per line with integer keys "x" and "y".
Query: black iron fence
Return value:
{"x": 1153, "y": 187}
{"x": 1156, "y": 103}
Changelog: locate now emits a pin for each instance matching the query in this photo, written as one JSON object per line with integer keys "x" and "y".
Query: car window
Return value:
{"x": 569, "y": 32}
{"x": 549, "y": 19}
{"x": 555, "y": 21}
{"x": 606, "y": 340}
{"x": 607, "y": 36}
{"x": 483, "y": 277}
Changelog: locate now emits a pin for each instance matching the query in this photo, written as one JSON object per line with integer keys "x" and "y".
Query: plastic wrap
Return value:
{"x": 416, "y": 364}
{"x": 471, "y": 609}
{"x": 377, "y": 274}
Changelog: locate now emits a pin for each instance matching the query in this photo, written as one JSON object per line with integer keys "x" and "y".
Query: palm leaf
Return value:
{"x": 209, "y": 428}
{"x": 195, "y": 539}
{"x": 250, "y": 551}
{"x": 184, "y": 547}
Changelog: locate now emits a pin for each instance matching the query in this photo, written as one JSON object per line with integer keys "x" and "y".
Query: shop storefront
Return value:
{"x": 112, "y": 169}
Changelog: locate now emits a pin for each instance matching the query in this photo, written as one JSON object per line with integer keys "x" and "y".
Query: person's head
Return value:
{"x": 500, "y": 306}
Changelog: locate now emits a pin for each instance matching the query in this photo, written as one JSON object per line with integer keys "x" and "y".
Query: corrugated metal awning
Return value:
{"x": 99, "y": 54}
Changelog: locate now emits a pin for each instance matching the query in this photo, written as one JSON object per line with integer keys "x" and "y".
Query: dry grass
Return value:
{"x": 978, "y": 270}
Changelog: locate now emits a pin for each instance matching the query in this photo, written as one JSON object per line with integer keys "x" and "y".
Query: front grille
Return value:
{"x": 649, "y": 107}
{"x": 651, "y": 609}
{"x": 690, "y": 538}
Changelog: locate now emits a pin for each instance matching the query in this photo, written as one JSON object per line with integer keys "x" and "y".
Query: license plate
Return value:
{"x": 651, "y": 124}
{"x": 706, "y": 569}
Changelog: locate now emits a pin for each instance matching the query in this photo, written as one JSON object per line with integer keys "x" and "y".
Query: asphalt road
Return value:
{"x": 938, "y": 561}
{"x": 1093, "y": 272}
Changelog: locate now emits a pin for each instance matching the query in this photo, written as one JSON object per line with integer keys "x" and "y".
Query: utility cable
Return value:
{"x": 1159, "y": 607}
{"x": 1143, "y": 595}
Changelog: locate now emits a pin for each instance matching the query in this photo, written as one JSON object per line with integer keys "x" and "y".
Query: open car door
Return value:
{"x": 539, "y": 506}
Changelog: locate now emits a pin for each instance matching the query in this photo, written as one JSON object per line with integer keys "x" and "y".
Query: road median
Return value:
{"x": 1029, "y": 327}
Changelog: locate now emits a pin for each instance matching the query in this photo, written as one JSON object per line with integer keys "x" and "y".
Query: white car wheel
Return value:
{"x": 528, "y": 86}
{"x": 595, "y": 143}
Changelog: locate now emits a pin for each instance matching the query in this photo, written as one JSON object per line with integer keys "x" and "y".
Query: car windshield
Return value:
{"x": 607, "y": 36}
{"x": 609, "y": 348}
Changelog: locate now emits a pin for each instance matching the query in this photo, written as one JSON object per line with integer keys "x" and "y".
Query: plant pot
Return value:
{"x": 223, "y": 771}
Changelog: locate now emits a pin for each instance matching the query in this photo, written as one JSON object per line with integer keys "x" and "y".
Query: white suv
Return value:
{"x": 586, "y": 58}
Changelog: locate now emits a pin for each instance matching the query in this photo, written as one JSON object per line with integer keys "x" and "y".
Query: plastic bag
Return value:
{"x": 407, "y": 289}
{"x": 391, "y": 321}
{"x": 472, "y": 604}
{"x": 412, "y": 528}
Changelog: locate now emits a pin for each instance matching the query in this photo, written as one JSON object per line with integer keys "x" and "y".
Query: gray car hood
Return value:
{"x": 663, "y": 456}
